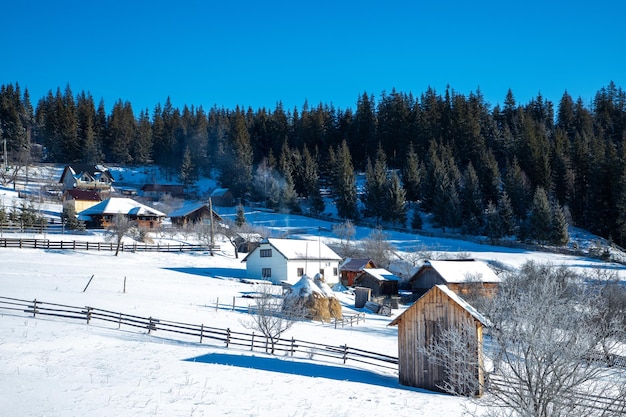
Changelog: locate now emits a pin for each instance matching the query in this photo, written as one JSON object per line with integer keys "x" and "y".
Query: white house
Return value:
{"x": 286, "y": 260}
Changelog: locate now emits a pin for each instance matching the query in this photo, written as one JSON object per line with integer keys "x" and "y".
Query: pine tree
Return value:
{"x": 412, "y": 175}
{"x": 540, "y": 219}
{"x": 559, "y": 234}
{"x": 493, "y": 222}
{"x": 240, "y": 219}
{"x": 376, "y": 186}
{"x": 187, "y": 174}
{"x": 416, "y": 219}
{"x": 505, "y": 212}
{"x": 345, "y": 193}
{"x": 471, "y": 201}
{"x": 395, "y": 202}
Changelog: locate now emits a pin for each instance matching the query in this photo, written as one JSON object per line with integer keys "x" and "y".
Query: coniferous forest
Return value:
{"x": 521, "y": 169}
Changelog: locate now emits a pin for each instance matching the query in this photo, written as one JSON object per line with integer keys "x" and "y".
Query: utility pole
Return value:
{"x": 212, "y": 230}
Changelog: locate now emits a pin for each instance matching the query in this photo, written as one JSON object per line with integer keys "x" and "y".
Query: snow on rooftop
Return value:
{"x": 381, "y": 274}
{"x": 464, "y": 270}
{"x": 116, "y": 205}
{"x": 303, "y": 249}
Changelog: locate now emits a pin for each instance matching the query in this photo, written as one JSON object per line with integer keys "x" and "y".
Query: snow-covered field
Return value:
{"x": 52, "y": 367}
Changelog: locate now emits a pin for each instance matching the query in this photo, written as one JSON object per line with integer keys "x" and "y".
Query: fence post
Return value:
{"x": 345, "y": 353}
{"x": 217, "y": 303}
{"x": 233, "y": 303}
{"x": 252, "y": 342}
{"x": 34, "y": 307}
{"x": 227, "y": 337}
{"x": 293, "y": 342}
{"x": 88, "y": 314}
{"x": 201, "y": 332}
{"x": 119, "y": 322}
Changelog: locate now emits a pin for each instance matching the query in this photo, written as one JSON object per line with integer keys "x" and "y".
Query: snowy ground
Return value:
{"x": 51, "y": 367}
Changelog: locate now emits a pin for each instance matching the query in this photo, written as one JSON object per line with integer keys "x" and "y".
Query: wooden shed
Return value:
{"x": 379, "y": 280}
{"x": 462, "y": 276}
{"x": 422, "y": 323}
{"x": 351, "y": 267}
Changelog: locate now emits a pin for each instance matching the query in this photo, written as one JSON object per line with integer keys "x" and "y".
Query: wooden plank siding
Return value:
{"x": 420, "y": 324}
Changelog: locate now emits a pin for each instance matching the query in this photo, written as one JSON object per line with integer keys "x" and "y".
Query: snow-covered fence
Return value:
{"x": 101, "y": 246}
{"x": 201, "y": 332}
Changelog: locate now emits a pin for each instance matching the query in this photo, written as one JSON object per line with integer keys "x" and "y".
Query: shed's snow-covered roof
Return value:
{"x": 354, "y": 264}
{"x": 303, "y": 249}
{"x": 465, "y": 305}
{"x": 454, "y": 272}
{"x": 381, "y": 274}
{"x": 116, "y": 205}
{"x": 189, "y": 208}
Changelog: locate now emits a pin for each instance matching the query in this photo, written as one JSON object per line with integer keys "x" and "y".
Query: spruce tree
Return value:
{"x": 376, "y": 186}
{"x": 395, "y": 202}
{"x": 345, "y": 192}
{"x": 505, "y": 212}
{"x": 240, "y": 219}
{"x": 540, "y": 218}
{"x": 412, "y": 175}
{"x": 558, "y": 231}
{"x": 416, "y": 219}
{"x": 471, "y": 201}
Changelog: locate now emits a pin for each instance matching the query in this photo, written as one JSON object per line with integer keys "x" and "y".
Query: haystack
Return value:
{"x": 314, "y": 298}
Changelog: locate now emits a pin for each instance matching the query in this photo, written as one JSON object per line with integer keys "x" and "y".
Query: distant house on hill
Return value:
{"x": 352, "y": 267}
{"x": 103, "y": 214}
{"x": 80, "y": 199}
{"x": 379, "y": 280}
{"x": 193, "y": 213}
{"x": 287, "y": 260}
{"x": 461, "y": 276}
{"x": 222, "y": 197}
{"x": 96, "y": 178}
{"x": 158, "y": 191}
{"x": 437, "y": 311}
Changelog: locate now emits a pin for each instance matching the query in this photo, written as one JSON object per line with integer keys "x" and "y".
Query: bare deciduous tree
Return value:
{"x": 269, "y": 316}
{"x": 120, "y": 227}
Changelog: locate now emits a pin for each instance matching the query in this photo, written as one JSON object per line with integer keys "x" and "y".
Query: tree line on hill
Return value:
{"x": 524, "y": 170}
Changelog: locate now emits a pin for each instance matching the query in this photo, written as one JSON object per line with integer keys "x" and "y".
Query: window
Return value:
{"x": 266, "y": 253}
{"x": 266, "y": 272}
{"x": 322, "y": 271}
{"x": 334, "y": 271}
{"x": 300, "y": 272}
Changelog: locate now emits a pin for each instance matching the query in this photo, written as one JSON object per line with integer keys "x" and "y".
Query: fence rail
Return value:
{"x": 201, "y": 332}
{"x": 101, "y": 246}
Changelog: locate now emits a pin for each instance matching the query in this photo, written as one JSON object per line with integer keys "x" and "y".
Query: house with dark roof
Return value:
{"x": 96, "y": 178}
{"x": 222, "y": 197}
{"x": 352, "y": 267}
{"x": 192, "y": 213}
{"x": 285, "y": 261}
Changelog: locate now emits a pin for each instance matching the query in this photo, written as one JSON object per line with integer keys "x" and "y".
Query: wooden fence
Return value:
{"x": 101, "y": 246}
{"x": 200, "y": 332}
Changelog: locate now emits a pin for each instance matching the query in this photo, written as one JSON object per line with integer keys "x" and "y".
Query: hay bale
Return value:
{"x": 314, "y": 297}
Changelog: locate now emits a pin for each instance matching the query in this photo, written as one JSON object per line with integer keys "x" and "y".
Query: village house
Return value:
{"x": 425, "y": 322}
{"x": 379, "y": 280}
{"x": 462, "y": 276}
{"x": 103, "y": 214}
{"x": 351, "y": 267}
{"x": 96, "y": 178}
{"x": 287, "y": 260}
{"x": 192, "y": 213}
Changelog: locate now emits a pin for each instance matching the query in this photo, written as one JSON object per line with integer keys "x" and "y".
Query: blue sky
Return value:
{"x": 255, "y": 54}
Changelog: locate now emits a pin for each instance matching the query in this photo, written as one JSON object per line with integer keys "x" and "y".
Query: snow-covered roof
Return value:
{"x": 455, "y": 272}
{"x": 303, "y": 249}
{"x": 189, "y": 208}
{"x": 381, "y": 274}
{"x": 219, "y": 192}
{"x": 306, "y": 286}
{"x": 116, "y": 205}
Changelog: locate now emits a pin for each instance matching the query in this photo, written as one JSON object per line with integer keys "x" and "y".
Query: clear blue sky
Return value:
{"x": 257, "y": 53}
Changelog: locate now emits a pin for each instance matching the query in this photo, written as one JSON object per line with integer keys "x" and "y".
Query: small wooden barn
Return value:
{"x": 462, "y": 276}
{"x": 157, "y": 191}
{"x": 422, "y": 323}
{"x": 193, "y": 213}
{"x": 351, "y": 267}
{"x": 103, "y": 214}
{"x": 379, "y": 280}
{"x": 223, "y": 197}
